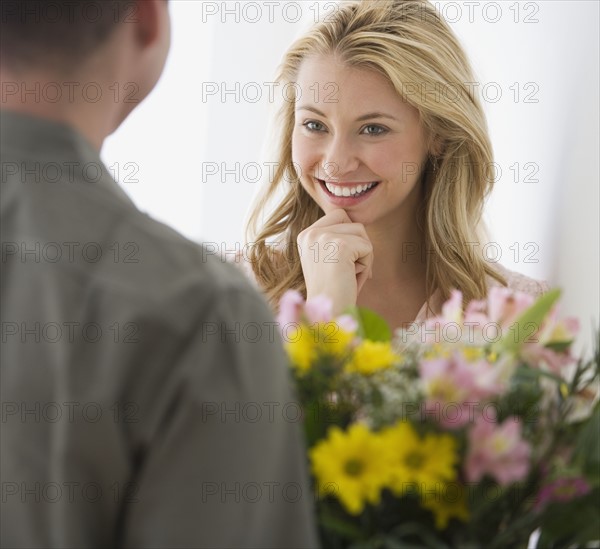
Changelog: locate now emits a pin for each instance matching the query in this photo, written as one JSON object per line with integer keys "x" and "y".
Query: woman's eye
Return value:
{"x": 313, "y": 126}
{"x": 374, "y": 129}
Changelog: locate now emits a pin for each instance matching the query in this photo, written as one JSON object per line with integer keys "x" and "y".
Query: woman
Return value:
{"x": 383, "y": 165}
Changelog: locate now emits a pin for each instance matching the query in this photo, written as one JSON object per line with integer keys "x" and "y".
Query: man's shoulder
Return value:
{"x": 95, "y": 245}
{"x": 172, "y": 267}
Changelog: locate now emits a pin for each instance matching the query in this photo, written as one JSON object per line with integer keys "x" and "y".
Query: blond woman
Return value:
{"x": 383, "y": 168}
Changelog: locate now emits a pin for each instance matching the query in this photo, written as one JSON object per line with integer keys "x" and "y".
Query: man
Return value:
{"x": 136, "y": 409}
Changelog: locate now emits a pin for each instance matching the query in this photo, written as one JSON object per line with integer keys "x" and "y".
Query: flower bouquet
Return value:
{"x": 473, "y": 429}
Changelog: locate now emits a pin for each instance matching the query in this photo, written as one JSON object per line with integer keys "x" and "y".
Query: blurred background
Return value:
{"x": 194, "y": 154}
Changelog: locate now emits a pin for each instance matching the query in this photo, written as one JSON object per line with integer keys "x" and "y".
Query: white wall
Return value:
{"x": 202, "y": 130}
{"x": 196, "y": 152}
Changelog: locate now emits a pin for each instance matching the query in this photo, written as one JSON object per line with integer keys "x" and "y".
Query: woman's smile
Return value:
{"x": 347, "y": 194}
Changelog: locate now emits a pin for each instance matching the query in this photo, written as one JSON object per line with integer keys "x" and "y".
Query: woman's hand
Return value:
{"x": 337, "y": 258}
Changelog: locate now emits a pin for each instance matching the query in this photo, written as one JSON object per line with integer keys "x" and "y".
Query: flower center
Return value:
{"x": 444, "y": 390}
{"x": 414, "y": 460}
{"x": 499, "y": 444}
{"x": 354, "y": 467}
{"x": 566, "y": 491}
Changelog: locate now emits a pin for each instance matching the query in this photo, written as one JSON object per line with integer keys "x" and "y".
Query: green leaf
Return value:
{"x": 560, "y": 346}
{"x": 527, "y": 372}
{"x": 587, "y": 449}
{"x": 574, "y": 523}
{"x": 339, "y": 525}
{"x": 408, "y": 529}
{"x": 534, "y": 315}
{"x": 372, "y": 326}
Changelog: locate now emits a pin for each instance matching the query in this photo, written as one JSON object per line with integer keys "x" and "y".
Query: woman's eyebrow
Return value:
{"x": 368, "y": 116}
{"x": 312, "y": 109}
{"x": 372, "y": 115}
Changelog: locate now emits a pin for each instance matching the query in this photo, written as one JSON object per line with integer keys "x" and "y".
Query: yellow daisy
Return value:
{"x": 351, "y": 465}
{"x": 419, "y": 463}
{"x": 301, "y": 347}
{"x": 372, "y": 356}
{"x": 332, "y": 340}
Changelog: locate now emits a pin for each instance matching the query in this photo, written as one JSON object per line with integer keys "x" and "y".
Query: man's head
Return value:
{"x": 126, "y": 41}
{"x": 38, "y": 33}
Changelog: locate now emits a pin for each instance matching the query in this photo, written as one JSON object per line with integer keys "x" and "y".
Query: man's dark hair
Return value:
{"x": 61, "y": 33}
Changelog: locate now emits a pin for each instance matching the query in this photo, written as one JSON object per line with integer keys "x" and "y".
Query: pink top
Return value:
{"x": 515, "y": 281}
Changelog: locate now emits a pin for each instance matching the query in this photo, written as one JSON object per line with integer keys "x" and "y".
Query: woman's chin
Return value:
{"x": 353, "y": 214}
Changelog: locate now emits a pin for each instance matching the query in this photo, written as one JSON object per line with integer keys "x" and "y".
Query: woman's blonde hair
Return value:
{"x": 415, "y": 49}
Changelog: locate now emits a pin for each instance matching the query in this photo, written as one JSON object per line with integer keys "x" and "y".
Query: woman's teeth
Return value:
{"x": 349, "y": 191}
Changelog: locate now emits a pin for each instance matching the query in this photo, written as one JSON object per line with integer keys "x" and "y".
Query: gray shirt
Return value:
{"x": 145, "y": 396}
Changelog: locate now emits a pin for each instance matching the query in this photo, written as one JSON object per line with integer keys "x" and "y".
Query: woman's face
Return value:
{"x": 356, "y": 143}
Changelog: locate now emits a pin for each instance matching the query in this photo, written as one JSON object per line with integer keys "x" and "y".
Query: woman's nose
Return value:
{"x": 339, "y": 159}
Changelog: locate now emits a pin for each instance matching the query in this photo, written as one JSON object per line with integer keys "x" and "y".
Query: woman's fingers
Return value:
{"x": 332, "y": 218}
{"x": 337, "y": 258}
